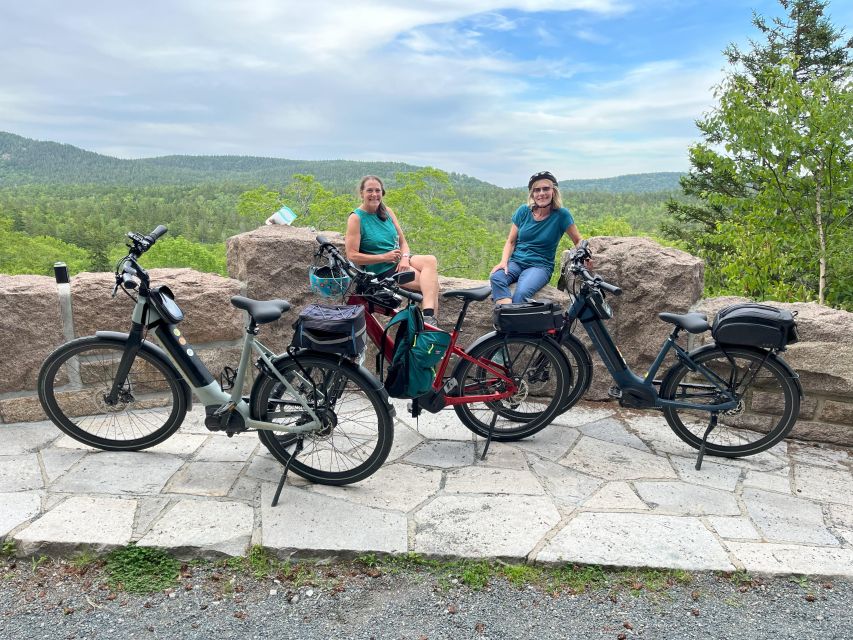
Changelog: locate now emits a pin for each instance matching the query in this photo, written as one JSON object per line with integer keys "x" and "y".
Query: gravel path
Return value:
{"x": 342, "y": 600}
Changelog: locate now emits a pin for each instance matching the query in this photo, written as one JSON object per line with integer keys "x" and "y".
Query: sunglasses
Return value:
{"x": 542, "y": 190}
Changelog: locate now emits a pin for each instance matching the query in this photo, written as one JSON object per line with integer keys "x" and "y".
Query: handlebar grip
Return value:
{"x": 411, "y": 295}
{"x": 612, "y": 288}
{"x": 157, "y": 233}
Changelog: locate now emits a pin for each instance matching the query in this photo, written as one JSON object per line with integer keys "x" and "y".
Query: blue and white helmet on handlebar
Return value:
{"x": 328, "y": 281}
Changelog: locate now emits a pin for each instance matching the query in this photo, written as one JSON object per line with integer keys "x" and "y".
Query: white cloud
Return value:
{"x": 419, "y": 82}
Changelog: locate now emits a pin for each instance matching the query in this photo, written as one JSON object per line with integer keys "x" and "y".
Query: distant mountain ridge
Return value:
{"x": 26, "y": 161}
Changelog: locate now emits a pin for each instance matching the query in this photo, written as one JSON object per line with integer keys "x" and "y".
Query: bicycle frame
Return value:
{"x": 643, "y": 390}
{"x": 383, "y": 342}
{"x": 198, "y": 377}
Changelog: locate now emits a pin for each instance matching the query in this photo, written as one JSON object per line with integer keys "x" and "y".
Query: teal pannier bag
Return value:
{"x": 416, "y": 354}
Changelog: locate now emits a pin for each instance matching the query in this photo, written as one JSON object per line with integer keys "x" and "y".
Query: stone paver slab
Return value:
{"x": 778, "y": 481}
{"x": 818, "y": 455}
{"x": 20, "y": 473}
{"x": 637, "y": 540}
{"x": 615, "y": 461}
{"x": 180, "y": 444}
{"x": 27, "y": 437}
{"x": 492, "y": 480}
{"x": 483, "y": 526}
{"x": 221, "y": 448}
{"x": 443, "y": 454}
{"x": 405, "y": 440}
{"x": 655, "y": 432}
{"x": 712, "y": 474}
{"x": 203, "y": 527}
{"x": 615, "y": 496}
{"x": 612, "y": 430}
{"x": 786, "y": 518}
{"x": 119, "y": 473}
{"x": 80, "y": 521}
{"x": 793, "y": 559}
{"x": 444, "y": 425}
{"x": 567, "y": 487}
{"x": 311, "y": 522}
{"x": 687, "y": 499}
{"x": 16, "y": 508}
{"x": 734, "y": 527}
{"x": 504, "y": 457}
{"x": 148, "y": 509}
{"x": 551, "y": 443}
{"x": 57, "y": 461}
{"x": 397, "y": 487}
{"x": 583, "y": 413}
{"x": 825, "y": 485}
{"x": 205, "y": 478}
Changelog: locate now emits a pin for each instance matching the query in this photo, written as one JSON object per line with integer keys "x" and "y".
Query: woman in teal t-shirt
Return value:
{"x": 375, "y": 241}
{"x": 529, "y": 251}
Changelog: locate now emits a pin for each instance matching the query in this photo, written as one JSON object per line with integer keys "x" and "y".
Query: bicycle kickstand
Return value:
{"x": 489, "y": 437}
{"x": 278, "y": 489}
{"x": 711, "y": 425}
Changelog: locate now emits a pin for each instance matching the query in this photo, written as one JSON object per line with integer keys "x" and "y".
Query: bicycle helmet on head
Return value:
{"x": 328, "y": 281}
{"x": 542, "y": 175}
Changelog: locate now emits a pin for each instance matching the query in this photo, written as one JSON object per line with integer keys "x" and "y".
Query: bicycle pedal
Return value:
{"x": 615, "y": 392}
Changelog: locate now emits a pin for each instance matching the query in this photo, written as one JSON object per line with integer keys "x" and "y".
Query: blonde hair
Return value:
{"x": 382, "y": 211}
{"x": 556, "y": 198}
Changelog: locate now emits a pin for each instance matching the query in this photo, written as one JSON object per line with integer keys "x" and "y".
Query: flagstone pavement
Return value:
{"x": 601, "y": 485}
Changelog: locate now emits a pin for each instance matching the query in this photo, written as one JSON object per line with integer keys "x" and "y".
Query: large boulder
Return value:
{"x": 203, "y": 297}
{"x": 653, "y": 279}
{"x": 30, "y": 328}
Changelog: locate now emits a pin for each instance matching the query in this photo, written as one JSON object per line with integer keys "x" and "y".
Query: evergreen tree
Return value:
{"x": 717, "y": 186}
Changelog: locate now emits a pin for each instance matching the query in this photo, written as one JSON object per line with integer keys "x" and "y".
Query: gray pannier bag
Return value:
{"x": 331, "y": 328}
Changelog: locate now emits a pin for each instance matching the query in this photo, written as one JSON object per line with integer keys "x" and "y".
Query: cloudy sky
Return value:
{"x": 496, "y": 89}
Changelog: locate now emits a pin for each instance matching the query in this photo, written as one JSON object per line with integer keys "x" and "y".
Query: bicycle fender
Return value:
{"x": 154, "y": 351}
{"x": 780, "y": 361}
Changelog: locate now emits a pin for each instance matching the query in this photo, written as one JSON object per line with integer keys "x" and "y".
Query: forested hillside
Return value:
{"x": 58, "y": 202}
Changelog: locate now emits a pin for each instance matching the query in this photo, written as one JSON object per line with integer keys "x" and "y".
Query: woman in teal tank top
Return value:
{"x": 375, "y": 241}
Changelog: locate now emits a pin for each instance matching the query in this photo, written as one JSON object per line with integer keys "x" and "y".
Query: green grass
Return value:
{"x": 141, "y": 569}
{"x": 8, "y": 549}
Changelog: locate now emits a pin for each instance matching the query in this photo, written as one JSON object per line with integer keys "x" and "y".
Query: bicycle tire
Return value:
{"x": 580, "y": 364}
{"x": 73, "y": 383}
{"x": 359, "y": 429}
{"x": 768, "y": 407}
{"x": 517, "y": 417}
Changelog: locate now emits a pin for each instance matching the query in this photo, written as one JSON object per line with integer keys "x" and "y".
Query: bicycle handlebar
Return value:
{"x": 365, "y": 278}
{"x": 578, "y": 257}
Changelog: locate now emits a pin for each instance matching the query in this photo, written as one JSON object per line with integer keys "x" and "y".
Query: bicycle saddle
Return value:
{"x": 262, "y": 311}
{"x": 480, "y": 293}
{"x": 691, "y": 322}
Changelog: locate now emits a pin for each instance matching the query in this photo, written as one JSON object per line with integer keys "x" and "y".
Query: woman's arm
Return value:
{"x": 352, "y": 241}
{"x": 574, "y": 234}
{"x": 405, "y": 253}
{"x": 509, "y": 246}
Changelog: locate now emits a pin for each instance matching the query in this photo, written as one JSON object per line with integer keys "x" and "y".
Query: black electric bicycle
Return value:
{"x": 728, "y": 400}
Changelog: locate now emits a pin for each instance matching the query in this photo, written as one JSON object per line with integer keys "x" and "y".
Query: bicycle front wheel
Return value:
{"x": 539, "y": 370}
{"x": 74, "y": 384}
{"x": 357, "y": 430}
{"x": 768, "y": 401}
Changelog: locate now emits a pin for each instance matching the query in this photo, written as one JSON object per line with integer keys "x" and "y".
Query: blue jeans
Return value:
{"x": 529, "y": 279}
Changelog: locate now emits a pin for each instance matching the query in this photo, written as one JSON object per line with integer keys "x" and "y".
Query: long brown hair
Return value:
{"x": 382, "y": 211}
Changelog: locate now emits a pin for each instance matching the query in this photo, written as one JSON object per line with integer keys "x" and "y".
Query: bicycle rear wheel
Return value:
{"x": 357, "y": 428}
{"x": 540, "y": 372}
{"x": 769, "y": 401}
{"x": 76, "y": 379}
{"x": 580, "y": 365}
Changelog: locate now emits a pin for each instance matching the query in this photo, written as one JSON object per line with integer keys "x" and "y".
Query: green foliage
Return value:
{"x": 180, "y": 252}
{"x": 141, "y": 569}
{"x": 20, "y": 253}
{"x": 8, "y": 548}
{"x": 771, "y": 186}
